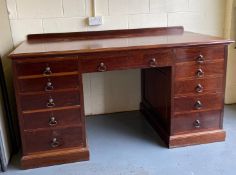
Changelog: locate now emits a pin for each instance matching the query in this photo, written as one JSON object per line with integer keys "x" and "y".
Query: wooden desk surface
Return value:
{"x": 86, "y": 42}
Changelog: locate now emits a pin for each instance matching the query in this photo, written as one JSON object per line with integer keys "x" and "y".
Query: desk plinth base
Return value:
{"x": 55, "y": 157}
{"x": 181, "y": 140}
{"x": 196, "y": 138}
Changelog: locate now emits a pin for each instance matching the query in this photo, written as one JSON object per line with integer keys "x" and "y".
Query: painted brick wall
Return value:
{"x": 118, "y": 90}
{"x": 230, "y": 96}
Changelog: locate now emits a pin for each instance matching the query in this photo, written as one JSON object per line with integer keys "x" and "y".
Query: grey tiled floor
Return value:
{"x": 124, "y": 144}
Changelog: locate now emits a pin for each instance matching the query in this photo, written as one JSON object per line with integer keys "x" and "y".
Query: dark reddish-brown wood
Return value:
{"x": 125, "y": 60}
{"x": 42, "y": 140}
{"x": 48, "y": 84}
{"x": 156, "y": 96}
{"x": 56, "y": 65}
{"x": 35, "y": 116}
{"x": 192, "y": 53}
{"x": 42, "y": 101}
{"x": 62, "y": 118}
{"x": 163, "y": 38}
{"x": 196, "y": 122}
{"x": 125, "y": 33}
{"x": 199, "y": 86}
{"x": 54, "y": 157}
{"x": 170, "y": 59}
{"x": 197, "y": 138}
{"x": 112, "y": 61}
{"x": 162, "y": 57}
{"x": 190, "y": 69}
{"x": 209, "y": 102}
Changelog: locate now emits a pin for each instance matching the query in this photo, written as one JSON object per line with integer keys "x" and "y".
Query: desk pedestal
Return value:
{"x": 185, "y": 125}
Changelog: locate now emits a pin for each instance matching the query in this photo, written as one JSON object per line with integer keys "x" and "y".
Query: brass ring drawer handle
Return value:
{"x": 200, "y": 59}
{"x": 49, "y": 86}
{"x": 50, "y": 103}
{"x": 102, "y": 67}
{"x": 153, "y": 62}
{"x": 200, "y": 73}
{"x": 52, "y": 121}
{"x": 199, "y": 88}
{"x": 47, "y": 71}
{"x": 55, "y": 143}
{"x": 198, "y": 105}
{"x": 197, "y": 124}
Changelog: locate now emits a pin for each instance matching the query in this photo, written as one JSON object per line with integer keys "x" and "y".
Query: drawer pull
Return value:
{"x": 49, "y": 86}
{"x": 200, "y": 73}
{"x": 52, "y": 121}
{"x": 47, "y": 71}
{"x": 102, "y": 67}
{"x": 198, "y": 105}
{"x": 153, "y": 62}
{"x": 200, "y": 59}
{"x": 197, "y": 124}
{"x": 199, "y": 88}
{"x": 50, "y": 103}
{"x": 55, "y": 143}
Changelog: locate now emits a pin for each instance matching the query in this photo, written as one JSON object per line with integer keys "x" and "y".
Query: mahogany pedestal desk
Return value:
{"x": 183, "y": 85}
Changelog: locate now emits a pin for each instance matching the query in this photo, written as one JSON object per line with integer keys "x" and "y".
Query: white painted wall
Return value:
{"x": 231, "y": 71}
{"x": 6, "y": 45}
{"x": 119, "y": 90}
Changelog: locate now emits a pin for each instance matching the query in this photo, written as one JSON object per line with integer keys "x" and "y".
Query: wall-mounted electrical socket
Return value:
{"x": 95, "y": 21}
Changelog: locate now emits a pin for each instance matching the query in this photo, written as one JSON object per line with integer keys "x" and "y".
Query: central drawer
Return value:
{"x": 102, "y": 62}
{"x": 49, "y": 100}
{"x": 151, "y": 58}
{"x": 53, "y": 139}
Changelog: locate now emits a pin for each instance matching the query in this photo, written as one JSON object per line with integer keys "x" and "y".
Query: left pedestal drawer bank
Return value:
{"x": 49, "y": 96}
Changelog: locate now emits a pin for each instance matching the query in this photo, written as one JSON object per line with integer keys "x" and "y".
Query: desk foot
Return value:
{"x": 54, "y": 157}
{"x": 196, "y": 138}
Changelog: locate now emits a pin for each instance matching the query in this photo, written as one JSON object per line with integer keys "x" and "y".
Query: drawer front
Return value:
{"x": 47, "y": 67}
{"x": 195, "y": 122}
{"x": 104, "y": 62}
{"x": 49, "y": 100}
{"x": 52, "y": 119}
{"x": 107, "y": 62}
{"x": 198, "y": 86}
{"x": 193, "y": 53}
{"x": 53, "y": 139}
{"x": 152, "y": 59}
{"x": 198, "y": 103}
{"x": 192, "y": 70}
{"x": 48, "y": 84}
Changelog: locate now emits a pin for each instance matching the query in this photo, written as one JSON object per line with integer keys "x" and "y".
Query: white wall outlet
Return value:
{"x": 95, "y": 21}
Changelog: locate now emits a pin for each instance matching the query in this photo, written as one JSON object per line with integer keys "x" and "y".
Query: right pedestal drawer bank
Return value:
{"x": 198, "y": 92}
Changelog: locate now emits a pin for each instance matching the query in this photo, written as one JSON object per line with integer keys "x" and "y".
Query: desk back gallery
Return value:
{"x": 183, "y": 86}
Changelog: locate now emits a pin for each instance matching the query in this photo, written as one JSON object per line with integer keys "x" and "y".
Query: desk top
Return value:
{"x": 129, "y": 39}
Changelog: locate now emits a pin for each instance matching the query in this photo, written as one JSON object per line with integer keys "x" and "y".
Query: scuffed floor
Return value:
{"x": 124, "y": 144}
